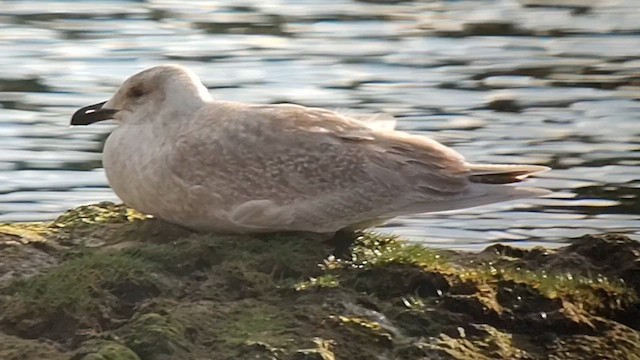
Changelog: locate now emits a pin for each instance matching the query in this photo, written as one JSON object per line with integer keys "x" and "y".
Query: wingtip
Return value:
{"x": 537, "y": 169}
{"x": 503, "y": 174}
{"x": 480, "y": 169}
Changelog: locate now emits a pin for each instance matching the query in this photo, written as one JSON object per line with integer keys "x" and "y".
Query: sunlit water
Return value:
{"x": 500, "y": 81}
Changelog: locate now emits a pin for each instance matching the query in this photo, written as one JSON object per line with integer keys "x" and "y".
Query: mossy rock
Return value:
{"x": 15, "y": 348}
{"x": 105, "y": 350}
{"x": 119, "y": 285}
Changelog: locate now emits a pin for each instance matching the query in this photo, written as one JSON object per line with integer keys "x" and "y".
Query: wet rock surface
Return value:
{"x": 117, "y": 285}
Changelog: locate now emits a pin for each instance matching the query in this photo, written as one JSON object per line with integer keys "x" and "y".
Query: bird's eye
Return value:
{"x": 136, "y": 92}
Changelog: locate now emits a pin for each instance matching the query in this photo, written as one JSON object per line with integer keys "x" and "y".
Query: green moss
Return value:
{"x": 251, "y": 321}
{"x": 155, "y": 336}
{"x": 373, "y": 250}
{"x": 14, "y": 348}
{"x": 282, "y": 256}
{"x": 592, "y": 293}
{"x": 182, "y": 256}
{"x": 106, "y": 350}
{"x": 320, "y": 282}
{"x": 76, "y": 286}
{"x": 101, "y": 213}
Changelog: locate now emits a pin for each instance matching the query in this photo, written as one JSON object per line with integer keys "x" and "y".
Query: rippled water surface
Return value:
{"x": 553, "y": 82}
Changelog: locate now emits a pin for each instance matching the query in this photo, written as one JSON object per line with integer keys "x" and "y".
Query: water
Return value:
{"x": 501, "y": 81}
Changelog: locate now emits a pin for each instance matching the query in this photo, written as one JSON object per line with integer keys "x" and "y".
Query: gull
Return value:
{"x": 232, "y": 167}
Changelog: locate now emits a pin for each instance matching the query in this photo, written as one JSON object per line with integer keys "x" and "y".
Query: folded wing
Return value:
{"x": 288, "y": 167}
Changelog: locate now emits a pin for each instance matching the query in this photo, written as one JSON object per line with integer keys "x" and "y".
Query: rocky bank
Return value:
{"x": 103, "y": 282}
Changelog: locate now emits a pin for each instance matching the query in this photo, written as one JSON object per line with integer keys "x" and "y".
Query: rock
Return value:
{"x": 155, "y": 291}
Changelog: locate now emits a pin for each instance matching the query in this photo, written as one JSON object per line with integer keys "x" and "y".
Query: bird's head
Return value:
{"x": 147, "y": 93}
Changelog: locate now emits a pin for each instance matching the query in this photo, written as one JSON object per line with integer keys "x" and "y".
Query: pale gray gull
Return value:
{"x": 233, "y": 167}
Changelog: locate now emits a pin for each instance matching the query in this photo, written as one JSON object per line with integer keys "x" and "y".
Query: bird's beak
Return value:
{"x": 92, "y": 113}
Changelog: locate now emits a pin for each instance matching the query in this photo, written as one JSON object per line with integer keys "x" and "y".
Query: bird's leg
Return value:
{"x": 341, "y": 243}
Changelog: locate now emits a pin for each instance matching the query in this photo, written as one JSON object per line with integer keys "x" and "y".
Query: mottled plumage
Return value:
{"x": 234, "y": 167}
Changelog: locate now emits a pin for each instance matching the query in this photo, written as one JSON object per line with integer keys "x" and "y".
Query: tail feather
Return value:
{"x": 478, "y": 195}
{"x": 482, "y": 190}
{"x": 502, "y": 174}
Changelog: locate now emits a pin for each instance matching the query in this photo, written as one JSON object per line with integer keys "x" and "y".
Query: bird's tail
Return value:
{"x": 484, "y": 189}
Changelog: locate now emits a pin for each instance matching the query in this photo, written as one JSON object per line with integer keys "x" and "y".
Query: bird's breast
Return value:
{"x": 134, "y": 161}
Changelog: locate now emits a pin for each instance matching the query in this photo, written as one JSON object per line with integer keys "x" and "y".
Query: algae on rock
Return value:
{"x": 117, "y": 285}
